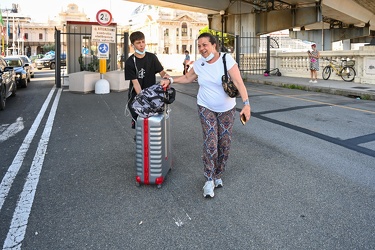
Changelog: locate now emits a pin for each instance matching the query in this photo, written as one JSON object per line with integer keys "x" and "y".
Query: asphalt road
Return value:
{"x": 301, "y": 174}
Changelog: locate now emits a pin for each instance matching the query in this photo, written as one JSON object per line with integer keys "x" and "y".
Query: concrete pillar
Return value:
{"x": 346, "y": 44}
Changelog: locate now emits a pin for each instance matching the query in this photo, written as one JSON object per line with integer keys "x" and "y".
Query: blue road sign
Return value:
{"x": 103, "y": 48}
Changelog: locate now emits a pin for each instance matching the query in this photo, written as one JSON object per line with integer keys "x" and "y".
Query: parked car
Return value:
{"x": 35, "y": 57}
{"x": 22, "y": 70}
{"x": 48, "y": 61}
{"x": 8, "y": 86}
{"x": 25, "y": 59}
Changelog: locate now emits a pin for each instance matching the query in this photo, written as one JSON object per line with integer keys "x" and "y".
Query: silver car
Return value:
{"x": 25, "y": 60}
{"x": 22, "y": 70}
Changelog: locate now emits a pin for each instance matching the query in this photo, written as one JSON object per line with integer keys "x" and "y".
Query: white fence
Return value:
{"x": 296, "y": 64}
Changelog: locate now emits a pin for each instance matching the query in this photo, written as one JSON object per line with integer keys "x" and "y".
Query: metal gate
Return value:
{"x": 251, "y": 53}
{"x": 75, "y": 43}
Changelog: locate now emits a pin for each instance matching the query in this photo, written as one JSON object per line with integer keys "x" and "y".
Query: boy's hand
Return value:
{"x": 165, "y": 83}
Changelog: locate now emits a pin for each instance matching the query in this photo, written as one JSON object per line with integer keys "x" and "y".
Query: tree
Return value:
{"x": 48, "y": 47}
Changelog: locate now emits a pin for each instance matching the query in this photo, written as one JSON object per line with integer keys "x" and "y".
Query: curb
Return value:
{"x": 328, "y": 90}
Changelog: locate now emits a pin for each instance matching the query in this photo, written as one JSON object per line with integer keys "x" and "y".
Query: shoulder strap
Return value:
{"x": 136, "y": 69}
{"x": 225, "y": 68}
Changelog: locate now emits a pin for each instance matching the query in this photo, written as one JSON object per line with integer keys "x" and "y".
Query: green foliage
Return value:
{"x": 228, "y": 39}
{"x": 93, "y": 65}
{"x": 48, "y": 47}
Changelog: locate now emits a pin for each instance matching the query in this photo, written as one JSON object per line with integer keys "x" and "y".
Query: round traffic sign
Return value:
{"x": 104, "y": 17}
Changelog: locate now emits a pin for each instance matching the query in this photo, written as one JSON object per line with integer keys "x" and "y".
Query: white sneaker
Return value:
{"x": 208, "y": 189}
{"x": 218, "y": 183}
{"x": 315, "y": 81}
{"x": 310, "y": 81}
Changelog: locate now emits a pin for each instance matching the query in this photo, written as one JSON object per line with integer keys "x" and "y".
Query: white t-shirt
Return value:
{"x": 211, "y": 93}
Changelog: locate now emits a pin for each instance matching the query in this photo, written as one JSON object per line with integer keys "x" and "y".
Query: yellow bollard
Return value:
{"x": 102, "y": 65}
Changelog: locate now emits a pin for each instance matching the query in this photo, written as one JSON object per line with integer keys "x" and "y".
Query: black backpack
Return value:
{"x": 150, "y": 101}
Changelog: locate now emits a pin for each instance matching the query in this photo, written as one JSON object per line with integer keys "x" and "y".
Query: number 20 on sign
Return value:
{"x": 104, "y": 17}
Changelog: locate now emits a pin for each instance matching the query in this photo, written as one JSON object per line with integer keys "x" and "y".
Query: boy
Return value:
{"x": 140, "y": 69}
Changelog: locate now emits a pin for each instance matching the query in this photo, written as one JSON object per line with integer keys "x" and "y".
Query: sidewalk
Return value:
{"x": 349, "y": 89}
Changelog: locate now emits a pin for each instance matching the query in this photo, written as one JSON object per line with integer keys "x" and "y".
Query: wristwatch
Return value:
{"x": 170, "y": 80}
{"x": 246, "y": 102}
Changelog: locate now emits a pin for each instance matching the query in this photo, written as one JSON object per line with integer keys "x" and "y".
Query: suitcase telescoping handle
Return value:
{"x": 165, "y": 124}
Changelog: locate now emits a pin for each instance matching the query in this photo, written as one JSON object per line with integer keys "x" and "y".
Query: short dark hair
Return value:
{"x": 135, "y": 36}
{"x": 186, "y": 51}
{"x": 210, "y": 37}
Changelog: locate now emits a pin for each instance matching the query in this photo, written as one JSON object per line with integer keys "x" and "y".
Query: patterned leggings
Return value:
{"x": 217, "y": 135}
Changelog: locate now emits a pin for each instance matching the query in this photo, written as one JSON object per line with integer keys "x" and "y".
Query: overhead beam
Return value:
{"x": 267, "y": 22}
{"x": 330, "y": 35}
{"x": 335, "y": 34}
{"x": 349, "y": 33}
{"x": 206, "y": 7}
{"x": 347, "y": 11}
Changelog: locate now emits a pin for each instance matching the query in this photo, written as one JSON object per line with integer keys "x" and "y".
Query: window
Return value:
{"x": 26, "y": 36}
{"x": 177, "y": 32}
{"x": 40, "y": 36}
{"x": 177, "y": 48}
{"x": 166, "y": 32}
{"x": 184, "y": 29}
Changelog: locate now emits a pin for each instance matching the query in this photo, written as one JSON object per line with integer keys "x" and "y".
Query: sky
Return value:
{"x": 41, "y": 10}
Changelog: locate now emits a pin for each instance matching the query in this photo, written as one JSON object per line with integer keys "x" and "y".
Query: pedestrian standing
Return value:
{"x": 314, "y": 63}
{"x": 216, "y": 109}
{"x": 186, "y": 62}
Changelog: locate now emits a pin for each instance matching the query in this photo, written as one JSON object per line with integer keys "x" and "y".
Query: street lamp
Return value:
{"x": 222, "y": 12}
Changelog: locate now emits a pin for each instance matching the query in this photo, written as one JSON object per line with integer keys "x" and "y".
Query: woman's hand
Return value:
{"x": 246, "y": 110}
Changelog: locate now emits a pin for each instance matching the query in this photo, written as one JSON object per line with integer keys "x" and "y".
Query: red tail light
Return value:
{"x": 159, "y": 180}
{"x": 138, "y": 179}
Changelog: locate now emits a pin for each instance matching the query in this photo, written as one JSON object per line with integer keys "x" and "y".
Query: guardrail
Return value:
{"x": 296, "y": 64}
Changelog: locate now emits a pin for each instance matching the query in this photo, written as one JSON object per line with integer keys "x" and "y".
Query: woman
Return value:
{"x": 216, "y": 109}
{"x": 186, "y": 62}
{"x": 314, "y": 63}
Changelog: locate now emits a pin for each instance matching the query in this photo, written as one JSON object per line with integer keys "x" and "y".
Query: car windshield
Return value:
{"x": 13, "y": 62}
{"x": 49, "y": 57}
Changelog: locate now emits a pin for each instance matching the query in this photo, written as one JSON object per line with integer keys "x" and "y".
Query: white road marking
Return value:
{"x": 9, "y": 176}
{"x": 21, "y": 214}
{"x": 12, "y": 129}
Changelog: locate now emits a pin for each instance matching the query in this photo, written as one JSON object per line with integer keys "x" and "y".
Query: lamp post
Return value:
{"x": 222, "y": 12}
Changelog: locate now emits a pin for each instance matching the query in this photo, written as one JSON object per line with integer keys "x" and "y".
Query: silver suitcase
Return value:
{"x": 153, "y": 149}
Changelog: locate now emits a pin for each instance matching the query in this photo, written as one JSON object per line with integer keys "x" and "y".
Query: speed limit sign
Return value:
{"x": 104, "y": 17}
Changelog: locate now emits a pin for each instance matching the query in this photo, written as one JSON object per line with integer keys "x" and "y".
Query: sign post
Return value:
{"x": 103, "y": 35}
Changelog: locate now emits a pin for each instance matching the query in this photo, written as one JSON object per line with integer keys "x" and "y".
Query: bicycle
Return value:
{"x": 345, "y": 69}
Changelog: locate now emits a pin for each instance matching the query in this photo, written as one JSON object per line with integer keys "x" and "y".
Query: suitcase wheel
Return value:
{"x": 159, "y": 186}
{"x": 137, "y": 184}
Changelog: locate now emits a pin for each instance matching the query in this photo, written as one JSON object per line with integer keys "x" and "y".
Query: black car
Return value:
{"x": 8, "y": 86}
{"x": 21, "y": 68}
{"x": 49, "y": 61}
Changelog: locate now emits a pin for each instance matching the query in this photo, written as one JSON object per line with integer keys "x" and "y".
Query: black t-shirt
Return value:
{"x": 146, "y": 69}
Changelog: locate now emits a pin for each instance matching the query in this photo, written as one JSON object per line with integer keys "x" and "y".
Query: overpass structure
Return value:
{"x": 320, "y": 21}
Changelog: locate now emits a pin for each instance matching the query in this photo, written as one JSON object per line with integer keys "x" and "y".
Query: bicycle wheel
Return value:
{"x": 326, "y": 72}
{"x": 347, "y": 74}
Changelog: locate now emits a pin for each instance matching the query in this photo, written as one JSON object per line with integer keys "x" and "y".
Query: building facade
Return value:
{"x": 167, "y": 31}
{"x": 22, "y": 36}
